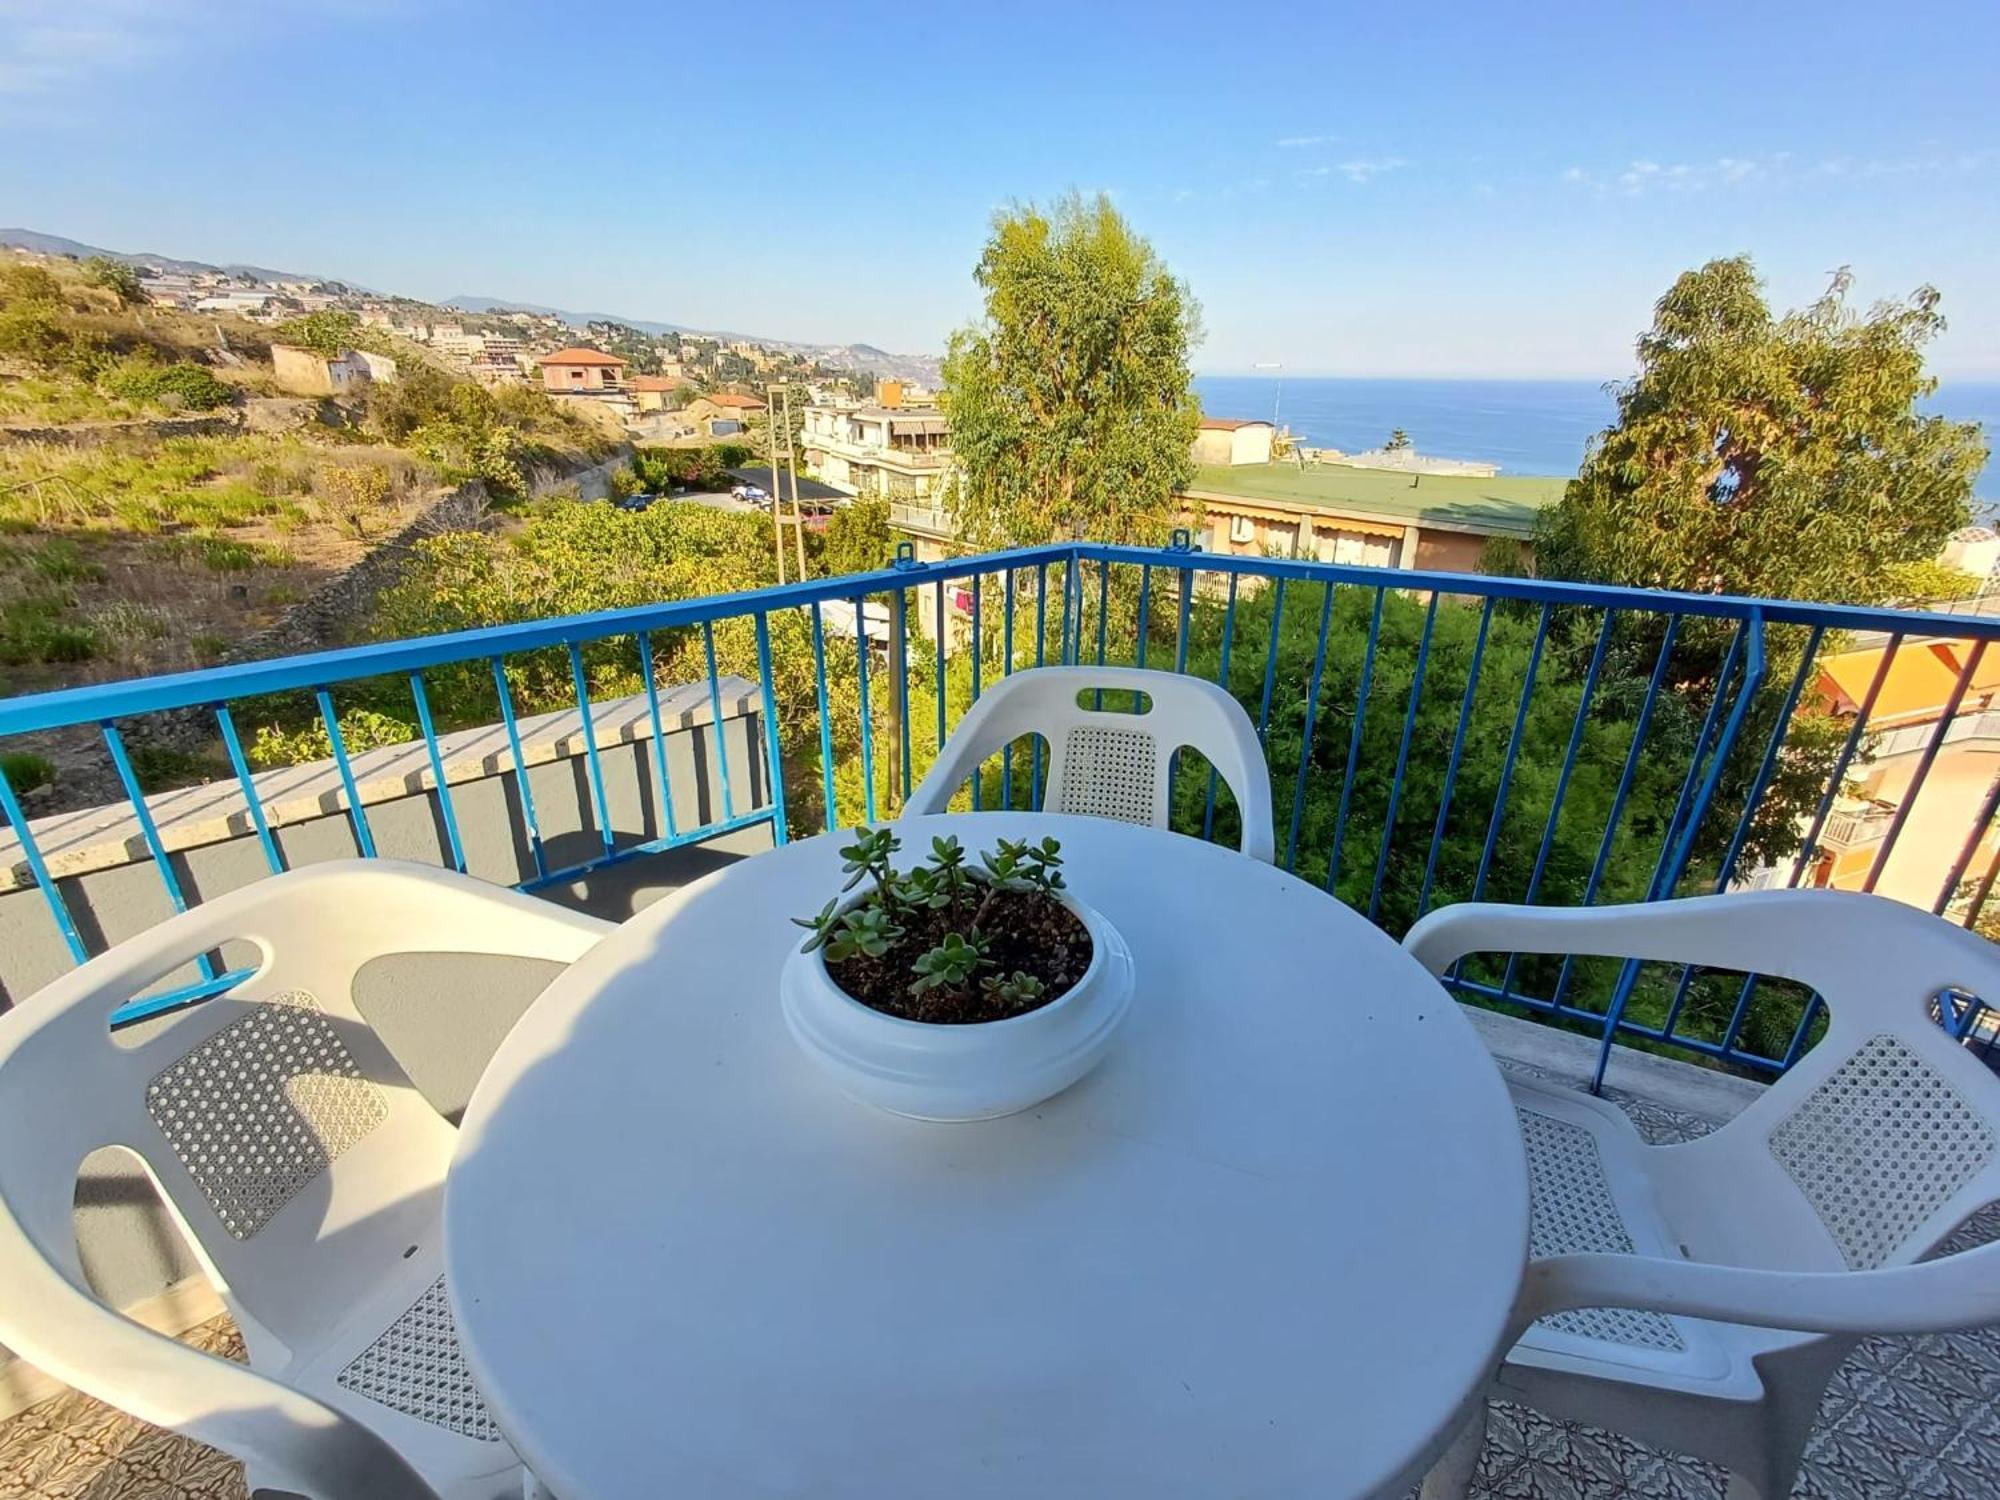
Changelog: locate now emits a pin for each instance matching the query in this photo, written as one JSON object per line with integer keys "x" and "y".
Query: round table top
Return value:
{"x": 1267, "y": 1248}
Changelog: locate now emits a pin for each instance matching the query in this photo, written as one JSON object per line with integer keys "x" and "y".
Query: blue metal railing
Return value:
{"x": 1619, "y": 692}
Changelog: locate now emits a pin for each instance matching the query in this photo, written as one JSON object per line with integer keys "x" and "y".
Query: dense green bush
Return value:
{"x": 185, "y": 386}
{"x": 25, "y": 771}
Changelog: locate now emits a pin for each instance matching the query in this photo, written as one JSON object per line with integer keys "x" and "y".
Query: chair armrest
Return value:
{"x": 382, "y": 906}
{"x": 1839, "y": 942}
{"x": 1953, "y": 1292}
{"x": 294, "y": 1440}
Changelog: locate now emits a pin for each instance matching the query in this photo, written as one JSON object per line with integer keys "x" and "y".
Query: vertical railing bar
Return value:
{"x": 520, "y": 770}
{"x": 1759, "y": 783}
{"x": 861, "y": 658}
{"x": 1923, "y": 771}
{"x": 254, "y": 804}
{"x": 150, "y": 832}
{"x": 1366, "y": 686}
{"x": 1103, "y": 621}
{"x": 715, "y": 733}
{"x": 1838, "y": 778}
{"x": 1457, "y": 750}
{"x": 364, "y": 836}
{"x": 1145, "y": 622}
{"x": 1980, "y": 826}
{"x": 1513, "y": 751}
{"x": 1181, "y": 624}
{"x": 1222, "y": 681}
{"x": 1644, "y": 722}
{"x": 828, "y": 789}
{"x": 645, "y": 640}
{"x": 938, "y": 601}
{"x": 1306, "y": 735}
{"x": 1985, "y": 890}
{"x": 1270, "y": 666}
{"x": 1403, "y": 757}
{"x": 1185, "y": 619}
{"x": 1797, "y": 1044}
{"x": 1007, "y": 670}
{"x": 10, "y": 807}
{"x": 1753, "y": 680}
{"x": 1576, "y": 732}
{"x": 978, "y": 668}
{"x": 600, "y": 805}
{"x": 1041, "y": 643}
{"x": 446, "y": 813}
{"x": 774, "y": 759}
{"x": 902, "y": 626}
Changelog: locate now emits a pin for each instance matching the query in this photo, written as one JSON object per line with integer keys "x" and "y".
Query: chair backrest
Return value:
{"x": 284, "y": 1137}
{"x": 1874, "y": 1145}
{"x": 1104, "y": 760}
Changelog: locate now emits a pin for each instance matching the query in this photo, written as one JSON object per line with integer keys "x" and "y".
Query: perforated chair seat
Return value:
{"x": 1700, "y": 1295}
{"x": 303, "y": 1166}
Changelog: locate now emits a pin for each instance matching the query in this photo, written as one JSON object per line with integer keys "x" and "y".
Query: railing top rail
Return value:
{"x": 101, "y": 702}
{"x": 1910, "y": 623}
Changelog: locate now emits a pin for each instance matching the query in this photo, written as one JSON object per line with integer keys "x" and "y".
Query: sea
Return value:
{"x": 1525, "y": 426}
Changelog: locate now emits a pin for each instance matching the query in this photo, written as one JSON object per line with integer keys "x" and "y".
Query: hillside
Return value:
{"x": 161, "y": 503}
{"x": 921, "y": 368}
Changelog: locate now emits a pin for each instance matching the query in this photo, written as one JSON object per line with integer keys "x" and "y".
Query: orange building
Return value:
{"x": 1907, "y": 715}
{"x": 588, "y": 370}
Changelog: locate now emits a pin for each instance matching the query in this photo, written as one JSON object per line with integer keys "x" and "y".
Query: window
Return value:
{"x": 575, "y": 374}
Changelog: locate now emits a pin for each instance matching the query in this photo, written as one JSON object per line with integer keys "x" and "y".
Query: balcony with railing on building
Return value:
{"x": 1430, "y": 738}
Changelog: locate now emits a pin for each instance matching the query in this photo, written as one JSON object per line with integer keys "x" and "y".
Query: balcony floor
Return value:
{"x": 1904, "y": 1417}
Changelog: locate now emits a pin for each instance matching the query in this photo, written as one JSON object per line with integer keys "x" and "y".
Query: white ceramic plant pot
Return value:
{"x": 976, "y": 1071}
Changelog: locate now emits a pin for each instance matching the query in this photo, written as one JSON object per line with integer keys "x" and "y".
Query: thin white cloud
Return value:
{"x": 1303, "y": 173}
{"x": 1183, "y": 195}
{"x": 1299, "y": 142}
{"x": 1364, "y": 170}
{"x": 50, "y": 45}
{"x": 1642, "y": 177}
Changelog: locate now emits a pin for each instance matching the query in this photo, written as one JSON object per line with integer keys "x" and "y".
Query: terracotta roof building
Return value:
{"x": 587, "y": 370}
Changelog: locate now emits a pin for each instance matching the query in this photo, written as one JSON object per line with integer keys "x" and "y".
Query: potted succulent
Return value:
{"x": 955, "y": 991}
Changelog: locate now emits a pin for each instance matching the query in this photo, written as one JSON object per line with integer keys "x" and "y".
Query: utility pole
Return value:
{"x": 777, "y": 522}
{"x": 778, "y": 412}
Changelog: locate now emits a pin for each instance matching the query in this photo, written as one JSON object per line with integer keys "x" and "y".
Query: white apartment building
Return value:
{"x": 901, "y": 453}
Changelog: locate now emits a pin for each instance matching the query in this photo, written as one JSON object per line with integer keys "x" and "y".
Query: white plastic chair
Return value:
{"x": 303, "y": 1167}
{"x": 1105, "y": 762}
{"x": 1700, "y": 1296}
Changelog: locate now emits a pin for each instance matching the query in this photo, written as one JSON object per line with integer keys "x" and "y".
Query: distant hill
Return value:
{"x": 54, "y": 244}
{"x": 917, "y": 367}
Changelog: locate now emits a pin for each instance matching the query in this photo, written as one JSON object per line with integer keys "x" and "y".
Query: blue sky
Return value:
{"x": 1382, "y": 190}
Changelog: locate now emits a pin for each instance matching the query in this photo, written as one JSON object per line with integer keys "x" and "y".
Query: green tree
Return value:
{"x": 114, "y": 276}
{"x": 1778, "y": 456}
{"x": 1070, "y": 405}
{"x": 328, "y": 332}
{"x": 1399, "y": 441}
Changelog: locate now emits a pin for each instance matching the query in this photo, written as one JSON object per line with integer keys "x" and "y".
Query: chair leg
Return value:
{"x": 1450, "y": 1477}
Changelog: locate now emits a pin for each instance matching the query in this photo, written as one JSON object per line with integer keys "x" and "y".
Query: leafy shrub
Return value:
{"x": 161, "y": 768}
{"x": 25, "y": 771}
{"x": 360, "y": 729}
{"x": 351, "y": 494}
{"x": 184, "y": 386}
{"x": 114, "y": 276}
{"x": 32, "y": 630}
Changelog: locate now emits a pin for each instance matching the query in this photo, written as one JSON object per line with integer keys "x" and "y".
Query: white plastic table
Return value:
{"x": 1266, "y": 1249}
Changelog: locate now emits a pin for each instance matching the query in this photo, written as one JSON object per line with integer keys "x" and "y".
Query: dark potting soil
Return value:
{"x": 1026, "y": 930}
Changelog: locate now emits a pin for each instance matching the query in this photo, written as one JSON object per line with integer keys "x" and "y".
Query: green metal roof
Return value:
{"x": 1505, "y": 505}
